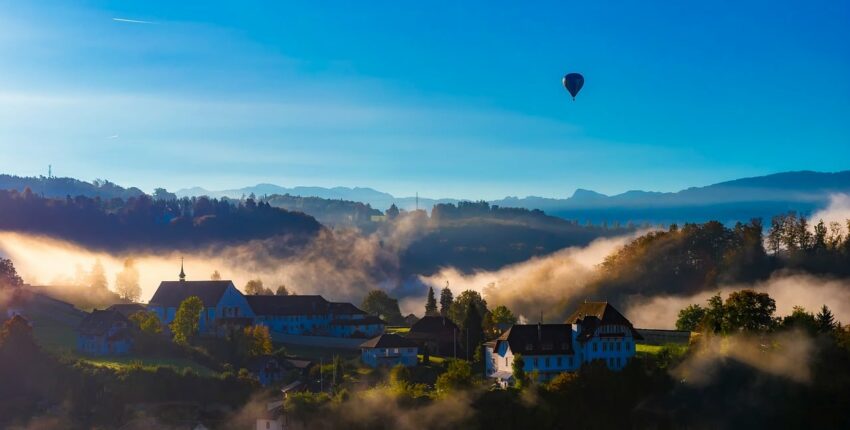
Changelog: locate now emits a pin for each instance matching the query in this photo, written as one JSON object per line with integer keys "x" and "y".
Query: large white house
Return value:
{"x": 595, "y": 331}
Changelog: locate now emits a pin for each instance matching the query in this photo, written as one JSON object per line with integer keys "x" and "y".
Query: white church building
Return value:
{"x": 595, "y": 331}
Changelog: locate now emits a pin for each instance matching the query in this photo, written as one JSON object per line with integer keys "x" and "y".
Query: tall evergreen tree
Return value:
{"x": 446, "y": 300}
{"x": 431, "y": 304}
{"x": 473, "y": 329}
{"x": 825, "y": 320}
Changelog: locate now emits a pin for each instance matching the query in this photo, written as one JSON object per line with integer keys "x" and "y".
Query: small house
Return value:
{"x": 436, "y": 334}
{"x": 104, "y": 332}
{"x": 389, "y": 350}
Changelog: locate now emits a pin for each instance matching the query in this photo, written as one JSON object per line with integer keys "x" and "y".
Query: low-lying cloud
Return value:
{"x": 340, "y": 264}
{"x": 784, "y": 354}
{"x": 540, "y": 285}
{"x": 788, "y": 289}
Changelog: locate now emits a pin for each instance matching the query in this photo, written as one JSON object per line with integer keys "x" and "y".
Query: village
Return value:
{"x": 293, "y": 345}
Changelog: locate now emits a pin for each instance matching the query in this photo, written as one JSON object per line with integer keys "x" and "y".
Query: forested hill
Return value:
{"x": 61, "y": 187}
{"x": 144, "y": 222}
{"x": 331, "y": 212}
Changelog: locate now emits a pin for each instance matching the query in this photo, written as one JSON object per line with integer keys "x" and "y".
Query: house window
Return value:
{"x": 529, "y": 346}
{"x": 604, "y": 346}
{"x": 570, "y": 360}
{"x": 506, "y": 361}
{"x": 534, "y": 362}
{"x": 594, "y": 347}
{"x": 560, "y": 361}
{"x": 618, "y": 361}
{"x": 618, "y": 346}
{"x": 547, "y": 346}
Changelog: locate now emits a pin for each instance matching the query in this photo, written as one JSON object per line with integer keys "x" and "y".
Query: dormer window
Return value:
{"x": 529, "y": 346}
{"x": 547, "y": 346}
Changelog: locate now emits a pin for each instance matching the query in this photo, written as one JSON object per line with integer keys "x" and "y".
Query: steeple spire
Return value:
{"x": 182, "y": 274}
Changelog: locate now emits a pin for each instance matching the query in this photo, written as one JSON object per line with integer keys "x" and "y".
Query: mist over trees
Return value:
{"x": 141, "y": 221}
{"x": 700, "y": 257}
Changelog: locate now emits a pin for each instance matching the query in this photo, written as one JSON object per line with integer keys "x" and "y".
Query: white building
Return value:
{"x": 389, "y": 350}
{"x": 596, "y": 331}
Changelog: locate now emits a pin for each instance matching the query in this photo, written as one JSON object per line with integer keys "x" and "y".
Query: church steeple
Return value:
{"x": 182, "y": 274}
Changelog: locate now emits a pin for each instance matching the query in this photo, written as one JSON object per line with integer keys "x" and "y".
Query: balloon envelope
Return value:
{"x": 573, "y": 83}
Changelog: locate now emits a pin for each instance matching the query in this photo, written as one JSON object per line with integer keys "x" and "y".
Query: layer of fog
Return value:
{"x": 340, "y": 264}
{"x": 784, "y": 354}
{"x": 838, "y": 211}
{"x": 539, "y": 285}
{"x": 789, "y": 290}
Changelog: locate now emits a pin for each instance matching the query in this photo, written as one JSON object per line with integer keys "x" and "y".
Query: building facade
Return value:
{"x": 389, "y": 350}
{"x": 104, "y": 332}
{"x": 224, "y": 304}
{"x": 594, "y": 332}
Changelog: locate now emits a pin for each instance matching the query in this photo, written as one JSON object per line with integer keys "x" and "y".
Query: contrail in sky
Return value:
{"x": 134, "y": 21}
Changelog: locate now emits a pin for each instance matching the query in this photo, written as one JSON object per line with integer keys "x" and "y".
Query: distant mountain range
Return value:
{"x": 730, "y": 201}
{"x": 374, "y": 198}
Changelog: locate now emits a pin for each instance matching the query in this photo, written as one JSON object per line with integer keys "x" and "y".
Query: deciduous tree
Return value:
{"x": 187, "y": 319}
{"x": 127, "y": 282}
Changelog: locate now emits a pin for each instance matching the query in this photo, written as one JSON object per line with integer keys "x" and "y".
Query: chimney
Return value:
{"x": 539, "y": 332}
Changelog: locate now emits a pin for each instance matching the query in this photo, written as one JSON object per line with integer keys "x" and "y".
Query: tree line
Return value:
{"x": 143, "y": 221}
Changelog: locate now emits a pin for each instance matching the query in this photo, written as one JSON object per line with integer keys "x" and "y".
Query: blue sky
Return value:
{"x": 450, "y": 99}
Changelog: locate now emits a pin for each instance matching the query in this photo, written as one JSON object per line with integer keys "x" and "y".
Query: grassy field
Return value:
{"x": 315, "y": 352}
{"x": 120, "y": 362}
{"x": 644, "y": 350}
{"x": 398, "y": 330}
{"x": 433, "y": 359}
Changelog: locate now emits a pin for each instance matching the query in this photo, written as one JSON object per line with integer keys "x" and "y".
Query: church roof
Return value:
{"x": 172, "y": 293}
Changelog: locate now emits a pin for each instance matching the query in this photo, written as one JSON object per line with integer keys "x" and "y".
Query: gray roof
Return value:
{"x": 288, "y": 305}
{"x": 538, "y": 339}
{"x": 433, "y": 324}
{"x": 369, "y": 320}
{"x": 127, "y": 309}
{"x": 98, "y": 322}
{"x": 591, "y": 315}
{"x": 171, "y": 293}
{"x": 388, "y": 340}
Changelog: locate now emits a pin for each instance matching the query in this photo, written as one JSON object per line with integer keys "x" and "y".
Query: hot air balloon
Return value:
{"x": 573, "y": 83}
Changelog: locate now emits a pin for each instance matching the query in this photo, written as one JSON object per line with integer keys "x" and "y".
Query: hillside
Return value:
{"x": 61, "y": 187}
{"x": 142, "y": 222}
{"x": 729, "y": 201}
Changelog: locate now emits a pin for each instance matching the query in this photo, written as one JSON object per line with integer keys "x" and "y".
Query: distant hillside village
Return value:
{"x": 595, "y": 331}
